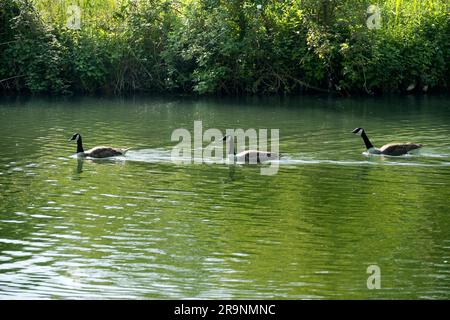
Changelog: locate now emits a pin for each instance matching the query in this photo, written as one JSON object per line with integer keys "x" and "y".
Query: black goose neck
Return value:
{"x": 367, "y": 142}
{"x": 79, "y": 145}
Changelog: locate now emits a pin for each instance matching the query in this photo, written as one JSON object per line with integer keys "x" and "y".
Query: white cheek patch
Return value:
{"x": 359, "y": 132}
{"x": 78, "y": 137}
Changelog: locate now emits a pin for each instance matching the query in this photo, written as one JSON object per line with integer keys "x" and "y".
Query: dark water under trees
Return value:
{"x": 143, "y": 227}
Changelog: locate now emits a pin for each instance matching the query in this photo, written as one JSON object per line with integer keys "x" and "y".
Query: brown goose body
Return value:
{"x": 390, "y": 149}
{"x": 97, "y": 152}
{"x": 104, "y": 152}
{"x": 248, "y": 156}
{"x": 398, "y": 149}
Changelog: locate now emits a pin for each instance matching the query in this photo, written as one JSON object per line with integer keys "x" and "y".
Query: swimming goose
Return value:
{"x": 97, "y": 152}
{"x": 248, "y": 156}
{"x": 390, "y": 149}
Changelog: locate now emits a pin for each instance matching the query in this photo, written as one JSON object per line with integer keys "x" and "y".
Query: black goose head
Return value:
{"x": 76, "y": 136}
{"x": 362, "y": 133}
{"x": 358, "y": 131}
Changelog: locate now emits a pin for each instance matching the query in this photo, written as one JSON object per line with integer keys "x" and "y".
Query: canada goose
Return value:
{"x": 248, "y": 156}
{"x": 390, "y": 149}
{"x": 97, "y": 152}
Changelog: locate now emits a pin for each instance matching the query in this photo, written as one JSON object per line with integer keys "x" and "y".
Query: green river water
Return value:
{"x": 143, "y": 227}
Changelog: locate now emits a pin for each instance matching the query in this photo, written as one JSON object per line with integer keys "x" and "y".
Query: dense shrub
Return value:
{"x": 31, "y": 55}
{"x": 224, "y": 46}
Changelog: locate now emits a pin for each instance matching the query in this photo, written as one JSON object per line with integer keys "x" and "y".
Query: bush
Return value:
{"x": 32, "y": 56}
{"x": 224, "y": 47}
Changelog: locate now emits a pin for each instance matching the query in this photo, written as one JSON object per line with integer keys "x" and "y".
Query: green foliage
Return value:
{"x": 413, "y": 52}
{"x": 237, "y": 47}
{"x": 228, "y": 47}
{"x": 31, "y": 55}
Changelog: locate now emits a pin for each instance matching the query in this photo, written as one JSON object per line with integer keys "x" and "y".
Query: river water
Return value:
{"x": 143, "y": 227}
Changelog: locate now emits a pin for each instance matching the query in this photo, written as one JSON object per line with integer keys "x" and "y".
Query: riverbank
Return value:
{"x": 230, "y": 48}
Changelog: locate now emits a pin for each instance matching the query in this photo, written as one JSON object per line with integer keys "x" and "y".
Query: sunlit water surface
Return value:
{"x": 143, "y": 227}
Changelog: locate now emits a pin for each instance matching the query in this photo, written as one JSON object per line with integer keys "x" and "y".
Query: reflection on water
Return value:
{"x": 140, "y": 226}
